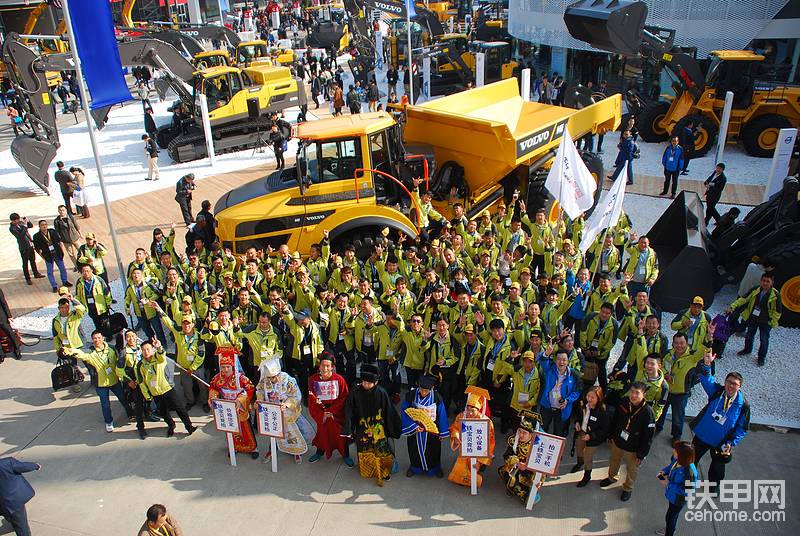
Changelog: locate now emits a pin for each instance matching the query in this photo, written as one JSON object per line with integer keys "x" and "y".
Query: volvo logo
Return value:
{"x": 539, "y": 139}
{"x": 391, "y": 8}
{"x": 533, "y": 142}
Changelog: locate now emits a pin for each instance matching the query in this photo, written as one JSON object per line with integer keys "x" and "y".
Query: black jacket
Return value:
{"x": 63, "y": 178}
{"x": 48, "y": 249}
{"x": 20, "y": 232}
{"x": 633, "y": 430}
{"x": 597, "y": 426}
{"x": 715, "y": 185}
{"x": 151, "y": 148}
{"x": 149, "y": 123}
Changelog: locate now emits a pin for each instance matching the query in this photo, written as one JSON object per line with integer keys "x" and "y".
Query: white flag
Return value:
{"x": 569, "y": 180}
{"x": 607, "y": 212}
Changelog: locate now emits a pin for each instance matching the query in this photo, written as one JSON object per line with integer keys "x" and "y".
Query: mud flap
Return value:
{"x": 34, "y": 156}
{"x": 615, "y": 26}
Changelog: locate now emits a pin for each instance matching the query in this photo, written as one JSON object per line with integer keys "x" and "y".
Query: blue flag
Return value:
{"x": 95, "y": 43}
{"x": 410, "y": 9}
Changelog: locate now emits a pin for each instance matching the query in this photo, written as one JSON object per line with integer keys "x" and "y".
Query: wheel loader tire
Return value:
{"x": 706, "y": 134}
{"x": 760, "y": 135}
{"x": 786, "y": 259}
{"x": 647, "y": 122}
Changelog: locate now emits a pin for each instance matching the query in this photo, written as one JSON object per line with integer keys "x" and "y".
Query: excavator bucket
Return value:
{"x": 34, "y": 156}
{"x": 612, "y": 25}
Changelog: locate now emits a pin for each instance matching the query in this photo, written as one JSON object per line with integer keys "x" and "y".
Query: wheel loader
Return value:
{"x": 761, "y": 107}
{"x": 353, "y": 174}
{"x": 234, "y": 96}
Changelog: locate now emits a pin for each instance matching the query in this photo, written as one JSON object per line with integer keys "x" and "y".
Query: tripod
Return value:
{"x": 261, "y": 142}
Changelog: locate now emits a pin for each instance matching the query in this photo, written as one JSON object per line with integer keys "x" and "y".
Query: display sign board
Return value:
{"x": 475, "y": 438}
{"x": 225, "y": 416}
{"x": 271, "y": 421}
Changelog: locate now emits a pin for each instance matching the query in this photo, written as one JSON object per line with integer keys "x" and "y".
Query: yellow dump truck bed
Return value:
{"x": 491, "y": 130}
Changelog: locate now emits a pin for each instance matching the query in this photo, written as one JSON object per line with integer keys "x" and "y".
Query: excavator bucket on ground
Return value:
{"x": 612, "y": 25}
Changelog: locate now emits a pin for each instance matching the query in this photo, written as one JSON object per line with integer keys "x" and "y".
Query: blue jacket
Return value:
{"x": 676, "y": 479}
{"x": 570, "y": 389}
{"x": 578, "y": 308}
{"x": 735, "y": 421}
{"x": 625, "y": 154}
{"x": 672, "y": 159}
{"x": 14, "y": 489}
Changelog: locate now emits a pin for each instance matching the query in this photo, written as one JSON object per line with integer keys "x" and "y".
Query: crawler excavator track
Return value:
{"x": 227, "y": 139}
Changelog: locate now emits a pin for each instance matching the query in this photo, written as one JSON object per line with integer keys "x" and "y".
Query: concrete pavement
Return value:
{"x": 94, "y": 483}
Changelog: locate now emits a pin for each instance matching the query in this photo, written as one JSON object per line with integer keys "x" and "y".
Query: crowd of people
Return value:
{"x": 500, "y": 317}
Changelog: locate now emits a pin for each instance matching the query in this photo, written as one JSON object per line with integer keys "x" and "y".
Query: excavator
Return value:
{"x": 761, "y": 107}
{"x": 354, "y": 173}
{"x": 239, "y": 100}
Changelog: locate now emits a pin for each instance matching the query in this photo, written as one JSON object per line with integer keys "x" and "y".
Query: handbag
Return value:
{"x": 590, "y": 371}
{"x": 65, "y": 374}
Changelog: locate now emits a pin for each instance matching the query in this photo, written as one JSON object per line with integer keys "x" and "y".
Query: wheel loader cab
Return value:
{"x": 251, "y": 51}
{"x": 734, "y": 70}
{"x": 212, "y": 58}
{"x": 497, "y": 60}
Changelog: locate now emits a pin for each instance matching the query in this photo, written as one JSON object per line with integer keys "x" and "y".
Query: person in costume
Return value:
{"x": 514, "y": 472}
{"x": 424, "y": 436}
{"x": 278, "y": 387}
{"x": 477, "y": 403}
{"x": 370, "y": 420}
{"x": 230, "y": 384}
{"x": 327, "y": 395}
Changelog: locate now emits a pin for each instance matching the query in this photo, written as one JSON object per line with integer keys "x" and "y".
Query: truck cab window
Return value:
{"x": 333, "y": 160}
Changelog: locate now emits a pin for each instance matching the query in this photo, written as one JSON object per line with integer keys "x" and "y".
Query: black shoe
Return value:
{"x": 206, "y": 408}
{"x": 142, "y": 434}
{"x": 685, "y": 172}
{"x": 607, "y": 482}
{"x": 760, "y": 362}
{"x": 577, "y": 467}
{"x": 410, "y": 473}
{"x": 67, "y": 284}
{"x": 38, "y": 276}
{"x": 29, "y": 281}
{"x": 743, "y": 352}
{"x": 170, "y": 431}
{"x": 55, "y": 289}
{"x": 626, "y": 496}
{"x": 254, "y": 454}
{"x": 587, "y": 477}
{"x": 663, "y": 193}
{"x": 191, "y": 429}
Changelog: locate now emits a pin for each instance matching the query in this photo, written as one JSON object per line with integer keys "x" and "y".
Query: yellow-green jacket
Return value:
{"x": 676, "y": 368}
{"x": 531, "y": 388}
{"x": 152, "y": 377}
{"x": 416, "y": 346}
{"x": 263, "y": 344}
{"x": 298, "y": 334}
{"x": 72, "y": 336}
{"x": 190, "y": 351}
{"x": 100, "y": 294}
{"x": 749, "y": 302}
{"x": 104, "y": 361}
{"x": 651, "y": 265}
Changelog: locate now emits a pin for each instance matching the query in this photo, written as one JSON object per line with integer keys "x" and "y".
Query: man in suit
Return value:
{"x": 714, "y": 184}
{"x": 19, "y": 228}
{"x": 66, "y": 183}
{"x": 15, "y": 491}
{"x": 686, "y": 137}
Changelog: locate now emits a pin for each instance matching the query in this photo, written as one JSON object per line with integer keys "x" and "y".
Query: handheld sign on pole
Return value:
{"x": 474, "y": 444}
{"x": 226, "y": 420}
{"x": 545, "y": 457}
{"x": 271, "y": 423}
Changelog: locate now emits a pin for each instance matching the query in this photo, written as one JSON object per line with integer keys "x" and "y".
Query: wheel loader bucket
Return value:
{"x": 612, "y": 25}
{"x": 34, "y": 156}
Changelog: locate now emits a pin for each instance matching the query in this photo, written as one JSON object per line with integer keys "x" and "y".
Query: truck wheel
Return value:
{"x": 706, "y": 134}
{"x": 363, "y": 240}
{"x": 760, "y": 135}
{"x": 648, "y": 120}
{"x": 786, "y": 259}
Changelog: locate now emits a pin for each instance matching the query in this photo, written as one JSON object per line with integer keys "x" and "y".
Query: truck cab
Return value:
{"x": 211, "y": 58}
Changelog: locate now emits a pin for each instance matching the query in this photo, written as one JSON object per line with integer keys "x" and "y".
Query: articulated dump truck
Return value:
{"x": 354, "y": 174}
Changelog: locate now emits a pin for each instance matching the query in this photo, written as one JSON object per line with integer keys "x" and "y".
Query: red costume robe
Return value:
{"x": 236, "y": 387}
{"x": 328, "y": 395}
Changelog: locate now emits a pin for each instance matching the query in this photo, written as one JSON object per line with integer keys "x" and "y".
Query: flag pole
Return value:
{"x": 409, "y": 54}
{"x": 95, "y": 152}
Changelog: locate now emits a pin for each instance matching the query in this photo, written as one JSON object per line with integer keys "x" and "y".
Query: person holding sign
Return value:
{"x": 327, "y": 395}
{"x": 477, "y": 402}
{"x": 514, "y": 472}
{"x": 371, "y": 419}
{"x": 232, "y": 385}
{"x": 278, "y": 387}
{"x": 425, "y": 430}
